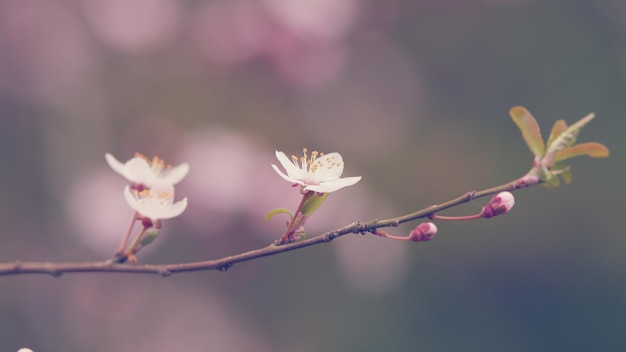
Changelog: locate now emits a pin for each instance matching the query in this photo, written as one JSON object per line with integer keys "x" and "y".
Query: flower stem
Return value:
{"x": 382, "y": 233}
{"x": 122, "y": 247}
{"x": 455, "y": 218}
{"x": 133, "y": 248}
{"x": 296, "y": 221}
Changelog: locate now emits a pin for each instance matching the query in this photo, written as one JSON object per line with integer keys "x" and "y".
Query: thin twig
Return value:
{"x": 223, "y": 264}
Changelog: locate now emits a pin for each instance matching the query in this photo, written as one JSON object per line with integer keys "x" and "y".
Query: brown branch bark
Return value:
{"x": 113, "y": 266}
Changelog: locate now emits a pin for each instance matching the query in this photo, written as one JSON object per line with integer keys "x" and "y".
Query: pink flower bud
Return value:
{"x": 423, "y": 232}
{"x": 500, "y": 204}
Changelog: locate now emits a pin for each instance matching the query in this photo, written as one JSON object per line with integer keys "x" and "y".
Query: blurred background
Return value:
{"x": 414, "y": 94}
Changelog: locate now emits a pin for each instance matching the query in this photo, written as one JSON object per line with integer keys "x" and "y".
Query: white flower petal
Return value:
{"x": 130, "y": 198}
{"x": 331, "y": 166}
{"x": 288, "y": 165}
{"x": 334, "y": 185}
{"x": 176, "y": 174}
{"x": 155, "y": 203}
{"x": 115, "y": 164}
{"x": 285, "y": 177}
{"x": 139, "y": 171}
{"x": 175, "y": 209}
{"x": 162, "y": 187}
{"x": 150, "y": 209}
{"x": 148, "y": 172}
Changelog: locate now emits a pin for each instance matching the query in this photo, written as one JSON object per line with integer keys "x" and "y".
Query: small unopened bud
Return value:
{"x": 500, "y": 204}
{"x": 423, "y": 232}
{"x": 148, "y": 236}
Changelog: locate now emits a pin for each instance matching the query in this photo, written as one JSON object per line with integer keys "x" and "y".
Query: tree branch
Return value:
{"x": 114, "y": 266}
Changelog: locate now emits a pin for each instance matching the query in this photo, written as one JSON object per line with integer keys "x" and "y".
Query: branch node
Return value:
{"x": 17, "y": 264}
{"x": 361, "y": 227}
{"x": 224, "y": 267}
{"x": 165, "y": 272}
{"x": 330, "y": 236}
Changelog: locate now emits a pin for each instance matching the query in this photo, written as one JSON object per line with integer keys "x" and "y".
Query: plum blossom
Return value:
{"x": 318, "y": 173}
{"x": 141, "y": 170}
{"x": 155, "y": 203}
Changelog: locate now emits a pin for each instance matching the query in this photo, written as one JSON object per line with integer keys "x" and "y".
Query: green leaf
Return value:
{"x": 557, "y": 129}
{"x": 567, "y": 138}
{"x": 314, "y": 200}
{"x": 592, "y": 149}
{"x": 567, "y": 176}
{"x": 277, "y": 211}
{"x": 530, "y": 129}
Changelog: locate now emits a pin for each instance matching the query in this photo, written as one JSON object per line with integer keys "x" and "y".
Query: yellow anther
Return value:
{"x": 156, "y": 163}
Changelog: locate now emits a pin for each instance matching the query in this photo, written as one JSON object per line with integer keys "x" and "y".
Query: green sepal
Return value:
{"x": 148, "y": 237}
{"x": 278, "y": 211}
{"x": 313, "y": 201}
{"x": 551, "y": 181}
{"x": 562, "y": 171}
{"x": 548, "y": 179}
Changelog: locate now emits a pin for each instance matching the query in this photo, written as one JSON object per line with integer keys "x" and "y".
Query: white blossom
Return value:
{"x": 318, "y": 173}
{"x": 156, "y": 202}
{"x": 141, "y": 170}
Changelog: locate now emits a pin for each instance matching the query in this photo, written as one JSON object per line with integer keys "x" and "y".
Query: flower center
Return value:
{"x": 304, "y": 162}
{"x": 162, "y": 197}
{"x": 157, "y": 164}
{"x": 315, "y": 167}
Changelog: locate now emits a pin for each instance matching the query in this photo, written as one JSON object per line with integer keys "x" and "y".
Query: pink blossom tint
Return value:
{"x": 231, "y": 180}
{"x": 136, "y": 26}
{"x": 500, "y": 204}
{"x": 324, "y": 19}
{"x": 228, "y": 32}
{"x": 423, "y": 232}
{"x": 45, "y": 54}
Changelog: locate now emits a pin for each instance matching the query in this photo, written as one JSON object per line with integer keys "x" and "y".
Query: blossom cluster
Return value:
{"x": 150, "y": 195}
{"x": 151, "y": 192}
